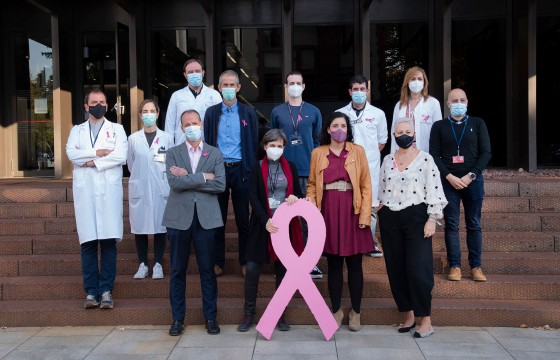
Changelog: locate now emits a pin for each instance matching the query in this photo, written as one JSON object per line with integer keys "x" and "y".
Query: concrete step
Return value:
{"x": 500, "y": 287}
{"x": 69, "y": 244}
{"x": 380, "y": 311}
{"x": 515, "y": 263}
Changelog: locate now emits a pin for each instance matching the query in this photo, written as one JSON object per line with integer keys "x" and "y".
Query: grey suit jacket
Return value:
{"x": 186, "y": 191}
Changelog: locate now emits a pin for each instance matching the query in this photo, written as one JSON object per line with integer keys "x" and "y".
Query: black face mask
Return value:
{"x": 404, "y": 141}
{"x": 98, "y": 111}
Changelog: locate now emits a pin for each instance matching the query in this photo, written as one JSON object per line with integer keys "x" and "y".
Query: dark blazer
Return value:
{"x": 249, "y": 132}
{"x": 186, "y": 190}
{"x": 257, "y": 244}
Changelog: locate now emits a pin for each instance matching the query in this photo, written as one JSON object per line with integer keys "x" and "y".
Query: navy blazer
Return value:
{"x": 249, "y": 133}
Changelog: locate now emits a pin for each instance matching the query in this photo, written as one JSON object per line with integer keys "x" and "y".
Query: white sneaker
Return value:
{"x": 157, "y": 272}
{"x": 142, "y": 271}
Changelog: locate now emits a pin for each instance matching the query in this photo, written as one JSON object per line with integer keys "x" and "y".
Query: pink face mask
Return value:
{"x": 338, "y": 135}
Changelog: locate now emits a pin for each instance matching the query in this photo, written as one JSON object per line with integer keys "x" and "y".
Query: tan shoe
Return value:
{"x": 454, "y": 274}
{"x": 354, "y": 321}
{"x": 338, "y": 317}
{"x": 477, "y": 275}
{"x": 218, "y": 270}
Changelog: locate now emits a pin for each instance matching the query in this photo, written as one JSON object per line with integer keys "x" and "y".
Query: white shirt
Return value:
{"x": 419, "y": 183}
{"x": 194, "y": 155}
{"x": 425, "y": 114}
{"x": 369, "y": 128}
{"x": 183, "y": 100}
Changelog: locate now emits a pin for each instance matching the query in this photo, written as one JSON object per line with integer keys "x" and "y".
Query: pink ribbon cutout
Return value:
{"x": 298, "y": 268}
{"x": 244, "y": 122}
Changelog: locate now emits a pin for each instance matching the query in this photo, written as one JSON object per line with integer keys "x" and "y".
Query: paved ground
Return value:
{"x": 302, "y": 342}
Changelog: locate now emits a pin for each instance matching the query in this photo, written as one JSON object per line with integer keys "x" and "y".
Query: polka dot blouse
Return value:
{"x": 419, "y": 183}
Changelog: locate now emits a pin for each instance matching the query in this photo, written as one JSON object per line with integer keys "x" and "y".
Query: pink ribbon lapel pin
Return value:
{"x": 244, "y": 122}
{"x": 298, "y": 268}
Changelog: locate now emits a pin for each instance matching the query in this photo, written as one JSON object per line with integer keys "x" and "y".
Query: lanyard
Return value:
{"x": 359, "y": 118}
{"x": 295, "y": 123}
{"x": 455, "y": 134}
{"x": 273, "y": 180}
{"x": 93, "y": 141}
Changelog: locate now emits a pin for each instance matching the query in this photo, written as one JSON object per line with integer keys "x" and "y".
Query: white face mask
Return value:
{"x": 274, "y": 153}
{"x": 416, "y": 86}
{"x": 295, "y": 90}
{"x": 193, "y": 133}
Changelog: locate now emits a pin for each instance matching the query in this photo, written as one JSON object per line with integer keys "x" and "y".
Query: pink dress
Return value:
{"x": 344, "y": 237}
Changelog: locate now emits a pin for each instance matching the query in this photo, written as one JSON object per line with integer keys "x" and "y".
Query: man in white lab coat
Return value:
{"x": 195, "y": 96}
{"x": 98, "y": 149}
{"x": 369, "y": 127}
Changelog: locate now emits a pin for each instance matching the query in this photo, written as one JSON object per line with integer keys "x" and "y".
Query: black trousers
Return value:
{"x": 335, "y": 280}
{"x": 252, "y": 276}
{"x": 142, "y": 247}
{"x": 408, "y": 257}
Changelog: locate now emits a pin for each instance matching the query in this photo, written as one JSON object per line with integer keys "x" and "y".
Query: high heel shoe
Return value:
{"x": 405, "y": 329}
{"x": 424, "y": 334}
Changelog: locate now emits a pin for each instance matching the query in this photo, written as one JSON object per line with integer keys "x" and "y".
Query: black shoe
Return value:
{"x": 248, "y": 322}
{"x": 316, "y": 273}
{"x": 212, "y": 327}
{"x": 405, "y": 329}
{"x": 176, "y": 328}
{"x": 282, "y": 324}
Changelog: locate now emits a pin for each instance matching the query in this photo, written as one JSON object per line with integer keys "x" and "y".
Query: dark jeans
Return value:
{"x": 335, "y": 265}
{"x": 303, "y": 186}
{"x": 252, "y": 276}
{"x": 99, "y": 280}
{"x": 472, "y": 205}
{"x": 408, "y": 257}
{"x": 179, "y": 252}
{"x": 142, "y": 247}
{"x": 240, "y": 198}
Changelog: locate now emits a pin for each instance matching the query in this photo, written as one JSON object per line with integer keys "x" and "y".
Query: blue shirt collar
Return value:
{"x": 232, "y": 107}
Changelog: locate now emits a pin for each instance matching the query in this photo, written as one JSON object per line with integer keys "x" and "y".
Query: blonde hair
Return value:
{"x": 405, "y": 91}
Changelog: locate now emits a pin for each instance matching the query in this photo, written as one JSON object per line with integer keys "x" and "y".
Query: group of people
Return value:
{"x": 181, "y": 180}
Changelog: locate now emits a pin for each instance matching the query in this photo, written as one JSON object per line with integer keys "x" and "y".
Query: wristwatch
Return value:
{"x": 472, "y": 175}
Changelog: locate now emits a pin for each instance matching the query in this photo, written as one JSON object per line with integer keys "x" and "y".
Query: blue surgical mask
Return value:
{"x": 193, "y": 133}
{"x": 149, "y": 119}
{"x": 229, "y": 93}
{"x": 359, "y": 97}
{"x": 458, "y": 109}
{"x": 194, "y": 79}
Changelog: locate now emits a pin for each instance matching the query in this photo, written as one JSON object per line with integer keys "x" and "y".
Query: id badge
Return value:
{"x": 160, "y": 157}
{"x": 296, "y": 139}
{"x": 273, "y": 203}
{"x": 459, "y": 159}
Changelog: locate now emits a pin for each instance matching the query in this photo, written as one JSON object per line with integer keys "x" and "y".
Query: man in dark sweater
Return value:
{"x": 460, "y": 146}
{"x": 232, "y": 127}
{"x": 301, "y": 122}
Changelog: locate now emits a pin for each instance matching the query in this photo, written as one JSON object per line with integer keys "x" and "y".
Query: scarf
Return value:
{"x": 296, "y": 235}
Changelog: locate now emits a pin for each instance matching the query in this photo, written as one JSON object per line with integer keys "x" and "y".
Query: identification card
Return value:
{"x": 296, "y": 140}
{"x": 459, "y": 159}
{"x": 159, "y": 157}
{"x": 273, "y": 203}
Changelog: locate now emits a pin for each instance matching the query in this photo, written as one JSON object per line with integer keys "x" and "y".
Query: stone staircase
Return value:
{"x": 41, "y": 284}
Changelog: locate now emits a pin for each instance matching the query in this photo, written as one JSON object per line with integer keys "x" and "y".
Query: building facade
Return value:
{"x": 55, "y": 50}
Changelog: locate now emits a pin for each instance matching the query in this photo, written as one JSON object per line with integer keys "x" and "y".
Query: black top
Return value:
{"x": 474, "y": 146}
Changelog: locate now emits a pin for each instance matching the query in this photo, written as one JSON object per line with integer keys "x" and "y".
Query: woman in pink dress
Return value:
{"x": 340, "y": 185}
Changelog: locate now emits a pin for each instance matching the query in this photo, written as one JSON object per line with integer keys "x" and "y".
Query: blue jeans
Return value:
{"x": 472, "y": 205}
{"x": 97, "y": 281}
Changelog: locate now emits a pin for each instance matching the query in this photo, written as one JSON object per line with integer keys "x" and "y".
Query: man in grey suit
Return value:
{"x": 196, "y": 175}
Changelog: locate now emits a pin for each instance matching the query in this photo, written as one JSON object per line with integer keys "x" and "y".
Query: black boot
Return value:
{"x": 282, "y": 324}
{"x": 247, "y": 323}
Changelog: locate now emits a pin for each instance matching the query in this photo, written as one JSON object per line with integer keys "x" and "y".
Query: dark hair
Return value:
{"x": 190, "y": 61}
{"x": 358, "y": 79}
{"x": 326, "y": 137}
{"x": 274, "y": 135}
{"x": 147, "y": 101}
{"x": 191, "y": 111}
{"x": 95, "y": 90}
{"x": 295, "y": 72}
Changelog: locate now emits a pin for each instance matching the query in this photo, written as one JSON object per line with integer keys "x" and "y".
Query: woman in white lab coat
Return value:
{"x": 147, "y": 187}
{"x": 416, "y": 104}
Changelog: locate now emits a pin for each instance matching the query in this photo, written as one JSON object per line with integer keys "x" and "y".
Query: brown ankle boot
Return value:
{"x": 354, "y": 321}
{"x": 338, "y": 317}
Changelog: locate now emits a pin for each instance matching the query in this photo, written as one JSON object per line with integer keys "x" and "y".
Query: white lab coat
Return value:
{"x": 98, "y": 191}
{"x": 425, "y": 114}
{"x": 148, "y": 189}
{"x": 183, "y": 100}
{"x": 369, "y": 130}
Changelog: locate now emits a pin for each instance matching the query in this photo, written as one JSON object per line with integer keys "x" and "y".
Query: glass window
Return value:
{"x": 34, "y": 105}
{"x": 170, "y": 50}
{"x": 256, "y": 55}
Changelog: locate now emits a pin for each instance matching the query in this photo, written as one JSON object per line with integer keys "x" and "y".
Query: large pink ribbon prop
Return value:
{"x": 298, "y": 268}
